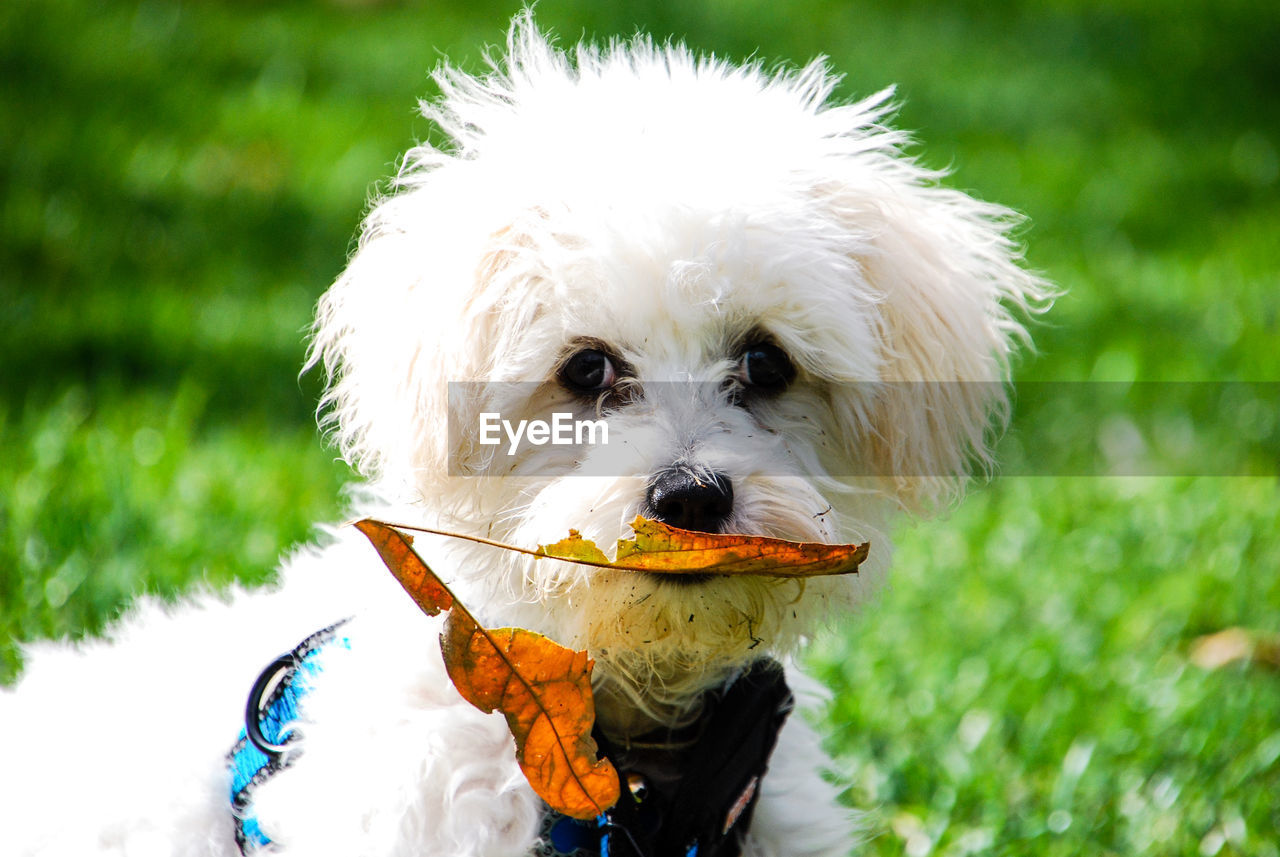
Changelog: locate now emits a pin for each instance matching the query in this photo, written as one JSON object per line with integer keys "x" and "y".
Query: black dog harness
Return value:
{"x": 687, "y": 792}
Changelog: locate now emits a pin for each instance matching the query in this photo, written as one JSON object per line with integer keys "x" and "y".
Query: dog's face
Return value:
{"x": 722, "y": 362}
{"x": 787, "y": 327}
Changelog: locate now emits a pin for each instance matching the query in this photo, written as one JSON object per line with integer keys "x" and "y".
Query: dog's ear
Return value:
{"x": 945, "y": 277}
{"x": 394, "y": 330}
{"x": 433, "y": 295}
{"x": 368, "y": 338}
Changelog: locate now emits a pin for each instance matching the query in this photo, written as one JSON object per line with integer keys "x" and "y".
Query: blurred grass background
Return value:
{"x": 179, "y": 182}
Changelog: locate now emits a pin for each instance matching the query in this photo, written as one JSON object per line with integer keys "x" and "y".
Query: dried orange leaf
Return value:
{"x": 396, "y": 550}
{"x": 541, "y": 687}
{"x": 664, "y": 549}
{"x": 544, "y": 690}
{"x": 576, "y": 548}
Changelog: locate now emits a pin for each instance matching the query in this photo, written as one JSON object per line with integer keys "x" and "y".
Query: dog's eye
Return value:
{"x": 588, "y": 371}
{"x": 767, "y": 368}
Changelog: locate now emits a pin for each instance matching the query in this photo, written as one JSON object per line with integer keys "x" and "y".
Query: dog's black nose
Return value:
{"x": 691, "y": 502}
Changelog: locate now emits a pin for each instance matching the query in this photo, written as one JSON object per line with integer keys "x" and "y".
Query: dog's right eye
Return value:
{"x": 767, "y": 368}
{"x": 588, "y": 371}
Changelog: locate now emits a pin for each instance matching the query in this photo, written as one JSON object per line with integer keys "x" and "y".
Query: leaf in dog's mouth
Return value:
{"x": 662, "y": 549}
{"x": 659, "y": 548}
{"x": 543, "y": 688}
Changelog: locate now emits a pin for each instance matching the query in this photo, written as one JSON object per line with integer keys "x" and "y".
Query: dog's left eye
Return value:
{"x": 588, "y": 371}
{"x": 767, "y": 368}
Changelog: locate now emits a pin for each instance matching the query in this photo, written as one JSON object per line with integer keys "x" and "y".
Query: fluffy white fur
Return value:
{"x": 637, "y": 195}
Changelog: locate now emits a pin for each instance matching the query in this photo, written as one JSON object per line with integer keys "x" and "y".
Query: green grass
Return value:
{"x": 179, "y": 183}
{"x": 1025, "y": 688}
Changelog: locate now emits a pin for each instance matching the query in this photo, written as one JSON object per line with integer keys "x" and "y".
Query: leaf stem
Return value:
{"x": 482, "y": 541}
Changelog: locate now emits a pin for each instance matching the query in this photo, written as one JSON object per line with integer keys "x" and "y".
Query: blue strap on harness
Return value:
{"x": 563, "y": 836}
{"x": 261, "y": 749}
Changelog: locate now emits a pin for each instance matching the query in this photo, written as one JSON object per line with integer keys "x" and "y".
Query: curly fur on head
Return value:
{"x": 782, "y": 312}
{"x": 672, "y": 206}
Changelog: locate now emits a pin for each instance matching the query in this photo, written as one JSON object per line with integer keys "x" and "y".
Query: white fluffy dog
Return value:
{"x": 774, "y": 311}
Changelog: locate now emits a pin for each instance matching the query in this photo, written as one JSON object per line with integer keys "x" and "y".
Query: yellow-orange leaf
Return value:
{"x": 541, "y": 687}
{"x": 664, "y": 549}
{"x": 396, "y": 550}
{"x": 544, "y": 689}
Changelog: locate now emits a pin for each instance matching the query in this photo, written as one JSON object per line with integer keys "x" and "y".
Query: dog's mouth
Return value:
{"x": 683, "y": 581}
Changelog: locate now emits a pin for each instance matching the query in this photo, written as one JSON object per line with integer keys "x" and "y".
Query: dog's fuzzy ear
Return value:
{"x": 945, "y": 274}
{"x": 395, "y": 328}
{"x": 368, "y": 338}
{"x": 435, "y": 293}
